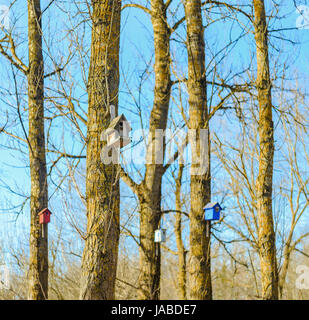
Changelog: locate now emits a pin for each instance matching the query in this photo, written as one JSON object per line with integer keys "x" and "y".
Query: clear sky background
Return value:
{"x": 289, "y": 47}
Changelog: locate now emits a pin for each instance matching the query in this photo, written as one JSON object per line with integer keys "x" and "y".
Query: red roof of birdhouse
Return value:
{"x": 46, "y": 210}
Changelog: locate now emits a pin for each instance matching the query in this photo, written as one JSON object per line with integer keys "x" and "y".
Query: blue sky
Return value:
{"x": 136, "y": 53}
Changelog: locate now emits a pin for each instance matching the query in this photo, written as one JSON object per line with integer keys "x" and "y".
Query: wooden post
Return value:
{"x": 157, "y": 248}
{"x": 44, "y": 230}
{"x": 208, "y": 226}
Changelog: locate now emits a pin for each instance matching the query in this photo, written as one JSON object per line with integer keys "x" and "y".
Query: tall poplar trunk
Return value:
{"x": 285, "y": 267}
{"x": 181, "y": 251}
{"x": 150, "y": 262}
{"x": 38, "y": 270}
{"x": 99, "y": 262}
{"x": 150, "y": 196}
{"x": 267, "y": 239}
{"x": 199, "y": 255}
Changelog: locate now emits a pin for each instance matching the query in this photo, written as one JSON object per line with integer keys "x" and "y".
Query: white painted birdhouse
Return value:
{"x": 160, "y": 235}
{"x": 118, "y": 132}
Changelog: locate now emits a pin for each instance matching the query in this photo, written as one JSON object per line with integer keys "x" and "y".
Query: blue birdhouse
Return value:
{"x": 212, "y": 211}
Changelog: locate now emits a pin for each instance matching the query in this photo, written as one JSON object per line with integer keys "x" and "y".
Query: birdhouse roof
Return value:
{"x": 46, "y": 210}
{"x": 211, "y": 205}
{"x": 114, "y": 123}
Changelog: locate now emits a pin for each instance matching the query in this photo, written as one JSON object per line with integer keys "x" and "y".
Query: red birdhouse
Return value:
{"x": 44, "y": 216}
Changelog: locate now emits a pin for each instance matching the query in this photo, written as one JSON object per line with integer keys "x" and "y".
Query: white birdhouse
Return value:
{"x": 160, "y": 235}
{"x": 118, "y": 132}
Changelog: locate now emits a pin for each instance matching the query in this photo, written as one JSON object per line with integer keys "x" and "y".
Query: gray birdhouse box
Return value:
{"x": 160, "y": 235}
{"x": 118, "y": 132}
{"x": 212, "y": 211}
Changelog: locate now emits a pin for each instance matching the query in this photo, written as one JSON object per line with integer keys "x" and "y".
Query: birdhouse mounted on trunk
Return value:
{"x": 118, "y": 132}
{"x": 44, "y": 216}
{"x": 160, "y": 235}
{"x": 212, "y": 211}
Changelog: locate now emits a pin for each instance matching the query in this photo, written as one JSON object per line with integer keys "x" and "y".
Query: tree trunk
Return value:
{"x": 286, "y": 261}
{"x": 38, "y": 269}
{"x": 181, "y": 251}
{"x": 150, "y": 258}
{"x": 150, "y": 200}
{"x": 99, "y": 262}
{"x": 267, "y": 239}
{"x": 199, "y": 260}
{"x": 284, "y": 270}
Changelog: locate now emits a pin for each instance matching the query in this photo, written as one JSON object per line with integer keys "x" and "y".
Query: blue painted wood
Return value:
{"x": 212, "y": 211}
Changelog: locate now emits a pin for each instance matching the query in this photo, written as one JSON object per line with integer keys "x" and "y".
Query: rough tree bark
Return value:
{"x": 181, "y": 251}
{"x": 150, "y": 194}
{"x": 267, "y": 239}
{"x": 38, "y": 270}
{"x": 199, "y": 254}
{"x": 285, "y": 267}
{"x": 99, "y": 262}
